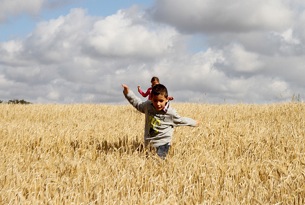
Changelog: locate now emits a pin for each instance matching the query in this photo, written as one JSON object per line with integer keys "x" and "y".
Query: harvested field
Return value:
{"x": 93, "y": 154}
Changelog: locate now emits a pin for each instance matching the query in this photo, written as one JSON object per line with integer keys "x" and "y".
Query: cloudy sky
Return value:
{"x": 207, "y": 51}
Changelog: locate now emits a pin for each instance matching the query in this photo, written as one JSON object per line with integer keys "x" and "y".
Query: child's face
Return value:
{"x": 154, "y": 83}
{"x": 159, "y": 101}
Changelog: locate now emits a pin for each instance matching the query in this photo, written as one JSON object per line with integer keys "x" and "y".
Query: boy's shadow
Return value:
{"x": 123, "y": 145}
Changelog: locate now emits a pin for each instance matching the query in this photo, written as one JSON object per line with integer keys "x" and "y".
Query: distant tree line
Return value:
{"x": 16, "y": 101}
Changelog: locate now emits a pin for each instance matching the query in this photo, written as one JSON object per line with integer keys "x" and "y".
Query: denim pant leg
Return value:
{"x": 162, "y": 150}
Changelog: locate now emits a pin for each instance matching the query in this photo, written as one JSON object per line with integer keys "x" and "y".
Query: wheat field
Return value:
{"x": 94, "y": 154}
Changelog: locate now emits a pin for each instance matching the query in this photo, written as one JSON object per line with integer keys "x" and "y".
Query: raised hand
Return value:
{"x": 126, "y": 89}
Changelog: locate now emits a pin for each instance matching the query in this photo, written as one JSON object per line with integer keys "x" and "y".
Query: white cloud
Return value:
{"x": 240, "y": 60}
{"x": 59, "y": 39}
{"x": 14, "y": 8}
{"x": 299, "y": 27}
{"x": 251, "y": 51}
{"x": 53, "y": 95}
{"x": 119, "y": 36}
{"x": 289, "y": 38}
{"x": 216, "y": 16}
{"x": 11, "y": 8}
{"x": 80, "y": 51}
{"x": 9, "y": 51}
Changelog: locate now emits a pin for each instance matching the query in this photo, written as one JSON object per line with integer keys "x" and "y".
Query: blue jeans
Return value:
{"x": 162, "y": 150}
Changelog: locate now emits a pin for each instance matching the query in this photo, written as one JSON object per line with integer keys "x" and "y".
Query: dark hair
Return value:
{"x": 159, "y": 89}
{"x": 154, "y": 79}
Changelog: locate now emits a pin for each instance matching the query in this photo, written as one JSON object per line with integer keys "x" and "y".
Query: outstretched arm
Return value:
{"x": 133, "y": 99}
{"x": 142, "y": 93}
{"x": 139, "y": 89}
{"x": 126, "y": 89}
{"x": 184, "y": 121}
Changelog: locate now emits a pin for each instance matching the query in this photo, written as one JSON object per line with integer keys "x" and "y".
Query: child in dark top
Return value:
{"x": 160, "y": 118}
{"x": 154, "y": 81}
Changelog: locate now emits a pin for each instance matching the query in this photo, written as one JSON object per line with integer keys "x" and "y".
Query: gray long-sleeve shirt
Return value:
{"x": 159, "y": 125}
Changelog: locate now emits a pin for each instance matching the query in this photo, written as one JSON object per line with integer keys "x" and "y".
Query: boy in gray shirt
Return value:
{"x": 160, "y": 118}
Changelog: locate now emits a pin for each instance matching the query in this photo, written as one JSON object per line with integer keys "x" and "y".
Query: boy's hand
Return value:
{"x": 126, "y": 89}
{"x": 197, "y": 123}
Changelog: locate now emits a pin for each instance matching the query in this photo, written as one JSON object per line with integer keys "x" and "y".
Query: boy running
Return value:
{"x": 160, "y": 118}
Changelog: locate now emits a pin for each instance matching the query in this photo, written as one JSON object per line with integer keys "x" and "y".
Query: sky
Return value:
{"x": 203, "y": 51}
